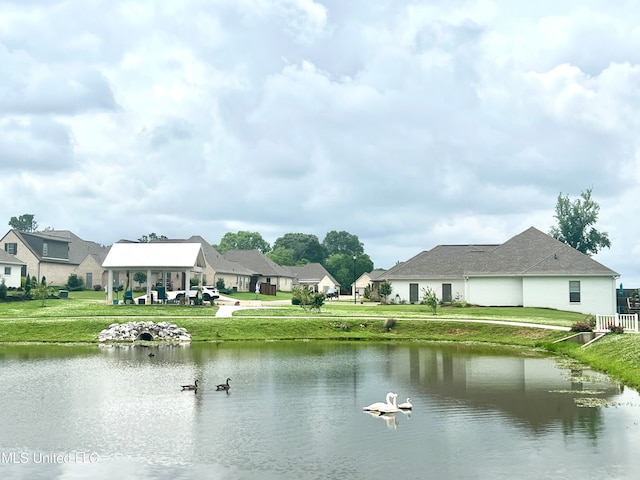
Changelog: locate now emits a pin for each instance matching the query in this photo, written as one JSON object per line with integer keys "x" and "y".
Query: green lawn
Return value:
{"x": 542, "y": 316}
{"x": 82, "y": 316}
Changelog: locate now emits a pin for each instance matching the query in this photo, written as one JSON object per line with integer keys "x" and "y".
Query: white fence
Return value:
{"x": 628, "y": 321}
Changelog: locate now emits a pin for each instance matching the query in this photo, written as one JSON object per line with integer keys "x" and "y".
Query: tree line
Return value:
{"x": 342, "y": 253}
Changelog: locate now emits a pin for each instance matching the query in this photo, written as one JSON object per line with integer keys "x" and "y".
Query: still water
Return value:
{"x": 294, "y": 411}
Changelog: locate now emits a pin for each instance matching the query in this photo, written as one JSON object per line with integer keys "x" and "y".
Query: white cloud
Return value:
{"x": 407, "y": 124}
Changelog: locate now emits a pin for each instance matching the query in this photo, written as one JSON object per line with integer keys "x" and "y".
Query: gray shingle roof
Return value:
{"x": 78, "y": 248}
{"x": 218, "y": 262}
{"x": 531, "y": 252}
{"x": 7, "y": 258}
{"x": 311, "y": 273}
{"x": 258, "y": 263}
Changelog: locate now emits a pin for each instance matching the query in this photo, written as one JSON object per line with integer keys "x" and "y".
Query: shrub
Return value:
{"x": 74, "y": 283}
{"x": 616, "y": 329}
{"x": 97, "y": 288}
{"x": 3, "y": 290}
{"x": 389, "y": 323}
{"x": 429, "y": 299}
{"x": 307, "y": 298}
{"x": 581, "y": 327}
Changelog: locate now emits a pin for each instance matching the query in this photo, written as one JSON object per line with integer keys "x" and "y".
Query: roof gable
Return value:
{"x": 154, "y": 255}
{"x": 311, "y": 273}
{"x": 258, "y": 263}
{"x": 534, "y": 252}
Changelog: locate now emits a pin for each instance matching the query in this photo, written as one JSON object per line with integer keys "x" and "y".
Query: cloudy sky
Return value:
{"x": 407, "y": 123}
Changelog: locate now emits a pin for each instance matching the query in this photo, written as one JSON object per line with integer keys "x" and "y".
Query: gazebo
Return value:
{"x": 153, "y": 257}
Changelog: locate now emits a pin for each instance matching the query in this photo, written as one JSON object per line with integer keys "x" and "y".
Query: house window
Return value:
{"x": 574, "y": 291}
{"x": 268, "y": 279}
{"x": 45, "y": 249}
{"x": 11, "y": 248}
{"x": 7, "y": 270}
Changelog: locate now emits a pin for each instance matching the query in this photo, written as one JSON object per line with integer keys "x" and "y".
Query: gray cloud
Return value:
{"x": 408, "y": 124}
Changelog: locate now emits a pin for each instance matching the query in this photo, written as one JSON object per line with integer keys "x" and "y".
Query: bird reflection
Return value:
{"x": 390, "y": 418}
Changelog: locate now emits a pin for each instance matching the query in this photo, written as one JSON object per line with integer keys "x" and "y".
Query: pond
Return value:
{"x": 295, "y": 411}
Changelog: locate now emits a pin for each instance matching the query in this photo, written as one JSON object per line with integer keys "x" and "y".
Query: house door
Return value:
{"x": 413, "y": 293}
{"x": 446, "y": 292}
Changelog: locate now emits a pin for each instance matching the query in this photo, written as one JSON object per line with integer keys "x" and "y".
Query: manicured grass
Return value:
{"x": 72, "y": 307}
{"x": 81, "y": 317}
{"x": 541, "y": 316}
{"x": 616, "y": 355}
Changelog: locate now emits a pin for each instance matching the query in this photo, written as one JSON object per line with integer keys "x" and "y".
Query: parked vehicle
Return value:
{"x": 332, "y": 293}
{"x": 208, "y": 293}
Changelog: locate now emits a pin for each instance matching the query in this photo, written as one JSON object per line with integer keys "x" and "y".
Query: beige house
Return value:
{"x": 315, "y": 276}
{"x": 235, "y": 275}
{"x": 365, "y": 280}
{"x": 55, "y": 255}
{"x": 265, "y": 270}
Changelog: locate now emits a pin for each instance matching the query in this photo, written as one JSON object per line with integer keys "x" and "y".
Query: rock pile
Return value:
{"x": 128, "y": 332}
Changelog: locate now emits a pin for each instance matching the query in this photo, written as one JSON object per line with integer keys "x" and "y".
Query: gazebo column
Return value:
{"x": 110, "y": 287}
{"x": 149, "y": 285}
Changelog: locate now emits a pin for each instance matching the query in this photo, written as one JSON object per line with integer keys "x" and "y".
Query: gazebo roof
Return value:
{"x": 159, "y": 256}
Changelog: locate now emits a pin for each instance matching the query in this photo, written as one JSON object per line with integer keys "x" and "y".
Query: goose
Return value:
{"x": 375, "y": 407}
{"x": 406, "y": 405}
{"x": 390, "y": 407}
{"x": 224, "y": 386}
{"x": 190, "y": 387}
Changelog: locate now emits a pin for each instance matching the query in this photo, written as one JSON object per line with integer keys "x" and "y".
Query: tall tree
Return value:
{"x": 341, "y": 266}
{"x": 150, "y": 237}
{"x": 342, "y": 242}
{"x": 242, "y": 240}
{"x": 305, "y": 247}
{"x": 575, "y": 224}
{"x": 282, "y": 256}
{"x": 24, "y": 223}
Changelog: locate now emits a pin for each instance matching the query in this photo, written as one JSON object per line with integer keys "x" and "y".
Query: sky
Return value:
{"x": 407, "y": 123}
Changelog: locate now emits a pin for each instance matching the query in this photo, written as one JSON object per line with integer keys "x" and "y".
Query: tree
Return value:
{"x": 282, "y": 256}
{"x": 42, "y": 291}
{"x": 342, "y": 242}
{"x": 305, "y": 247}
{"x": 575, "y": 224}
{"x": 385, "y": 290}
{"x": 430, "y": 299}
{"x": 341, "y": 265}
{"x": 306, "y": 298}
{"x": 150, "y": 237}
{"x": 242, "y": 241}
{"x": 140, "y": 277}
{"x": 24, "y": 223}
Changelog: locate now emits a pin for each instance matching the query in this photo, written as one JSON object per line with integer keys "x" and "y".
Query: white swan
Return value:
{"x": 406, "y": 405}
{"x": 375, "y": 407}
{"x": 390, "y": 407}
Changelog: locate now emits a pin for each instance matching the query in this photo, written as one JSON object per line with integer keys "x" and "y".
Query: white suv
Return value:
{"x": 208, "y": 293}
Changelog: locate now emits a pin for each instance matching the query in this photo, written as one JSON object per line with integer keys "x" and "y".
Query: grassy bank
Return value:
{"x": 80, "y": 319}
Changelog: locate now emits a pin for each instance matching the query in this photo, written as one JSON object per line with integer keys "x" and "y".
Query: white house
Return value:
{"x": 10, "y": 269}
{"x": 531, "y": 269}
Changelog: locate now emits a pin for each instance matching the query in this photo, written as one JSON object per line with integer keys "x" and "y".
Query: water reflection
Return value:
{"x": 294, "y": 405}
